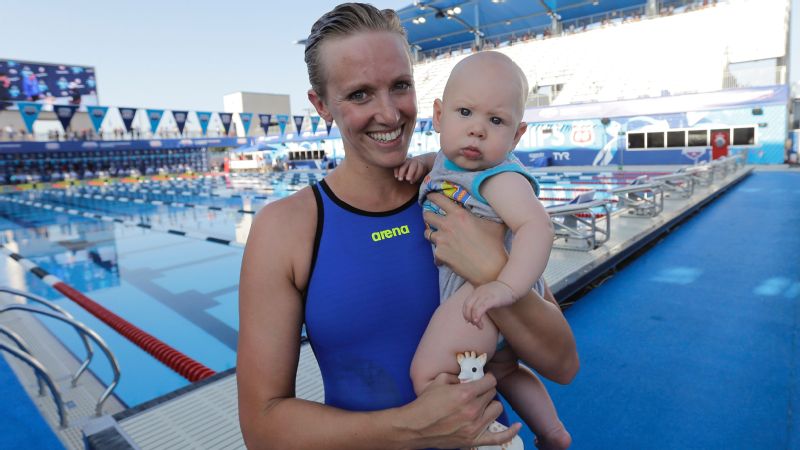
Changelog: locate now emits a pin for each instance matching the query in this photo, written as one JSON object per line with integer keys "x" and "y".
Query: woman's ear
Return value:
{"x": 319, "y": 105}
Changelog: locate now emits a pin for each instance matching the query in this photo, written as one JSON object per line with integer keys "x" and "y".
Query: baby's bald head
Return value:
{"x": 492, "y": 68}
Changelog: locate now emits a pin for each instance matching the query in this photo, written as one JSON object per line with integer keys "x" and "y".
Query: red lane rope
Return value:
{"x": 175, "y": 360}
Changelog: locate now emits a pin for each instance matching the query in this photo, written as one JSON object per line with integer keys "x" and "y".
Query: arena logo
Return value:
{"x": 64, "y": 112}
{"x": 204, "y": 117}
{"x": 30, "y": 110}
{"x": 180, "y": 117}
{"x": 98, "y": 113}
{"x": 127, "y": 113}
{"x": 390, "y": 233}
{"x": 154, "y": 115}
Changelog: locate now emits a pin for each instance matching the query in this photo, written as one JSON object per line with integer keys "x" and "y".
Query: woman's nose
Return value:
{"x": 387, "y": 112}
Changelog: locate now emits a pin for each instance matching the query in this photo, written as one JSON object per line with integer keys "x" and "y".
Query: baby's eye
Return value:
{"x": 496, "y": 120}
{"x": 465, "y": 112}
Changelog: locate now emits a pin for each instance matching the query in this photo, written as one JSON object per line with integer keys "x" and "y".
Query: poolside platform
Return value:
{"x": 204, "y": 415}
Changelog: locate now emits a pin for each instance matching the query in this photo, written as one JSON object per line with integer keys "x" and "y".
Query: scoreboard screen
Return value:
{"x": 57, "y": 84}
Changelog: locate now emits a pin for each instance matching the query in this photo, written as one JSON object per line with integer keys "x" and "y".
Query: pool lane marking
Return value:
{"x": 167, "y": 355}
{"x": 151, "y": 202}
{"x": 127, "y": 223}
{"x": 176, "y": 192}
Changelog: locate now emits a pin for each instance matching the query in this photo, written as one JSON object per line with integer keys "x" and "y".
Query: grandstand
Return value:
{"x": 592, "y": 65}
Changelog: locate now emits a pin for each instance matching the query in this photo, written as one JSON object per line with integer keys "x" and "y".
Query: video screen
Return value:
{"x": 55, "y": 84}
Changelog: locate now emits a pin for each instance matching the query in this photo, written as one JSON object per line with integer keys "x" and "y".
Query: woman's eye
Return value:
{"x": 357, "y": 96}
{"x": 496, "y": 120}
{"x": 403, "y": 85}
{"x": 465, "y": 112}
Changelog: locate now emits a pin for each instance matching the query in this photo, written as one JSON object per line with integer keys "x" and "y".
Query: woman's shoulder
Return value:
{"x": 289, "y": 220}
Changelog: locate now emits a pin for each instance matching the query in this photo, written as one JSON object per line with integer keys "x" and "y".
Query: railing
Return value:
{"x": 43, "y": 377}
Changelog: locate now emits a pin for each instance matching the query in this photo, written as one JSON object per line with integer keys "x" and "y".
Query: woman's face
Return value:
{"x": 370, "y": 94}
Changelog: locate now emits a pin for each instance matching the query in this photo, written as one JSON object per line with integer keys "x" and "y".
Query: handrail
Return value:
{"x": 54, "y": 307}
{"x": 41, "y": 372}
{"x": 81, "y": 328}
{"x": 24, "y": 347}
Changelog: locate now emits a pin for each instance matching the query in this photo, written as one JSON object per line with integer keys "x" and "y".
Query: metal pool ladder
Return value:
{"x": 22, "y": 353}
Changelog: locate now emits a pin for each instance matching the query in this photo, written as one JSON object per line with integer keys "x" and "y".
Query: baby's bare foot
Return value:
{"x": 555, "y": 439}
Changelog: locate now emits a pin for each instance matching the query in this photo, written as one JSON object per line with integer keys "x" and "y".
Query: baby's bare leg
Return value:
{"x": 529, "y": 398}
{"x": 447, "y": 335}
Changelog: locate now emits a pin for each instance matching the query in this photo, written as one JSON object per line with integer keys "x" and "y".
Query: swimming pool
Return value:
{"x": 180, "y": 289}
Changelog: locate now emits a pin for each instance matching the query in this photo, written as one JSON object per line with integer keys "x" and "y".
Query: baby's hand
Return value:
{"x": 411, "y": 170}
{"x": 485, "y": 297}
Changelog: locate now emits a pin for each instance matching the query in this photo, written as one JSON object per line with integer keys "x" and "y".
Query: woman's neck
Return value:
{"x": 369, "y": 188}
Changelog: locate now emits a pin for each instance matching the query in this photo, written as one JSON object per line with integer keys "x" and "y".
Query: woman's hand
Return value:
{"x": 448, "y": 414}
{"x": 471, "y": 246}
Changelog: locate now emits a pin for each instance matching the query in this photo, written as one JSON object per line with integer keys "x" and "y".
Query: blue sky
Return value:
{"x": 171, "y": 54}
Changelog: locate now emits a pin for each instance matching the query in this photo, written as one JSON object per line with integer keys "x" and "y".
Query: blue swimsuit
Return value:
{"x": 372, "y": 290}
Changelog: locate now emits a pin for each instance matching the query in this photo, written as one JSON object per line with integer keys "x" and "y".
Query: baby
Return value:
{"x": 479, "y": 118}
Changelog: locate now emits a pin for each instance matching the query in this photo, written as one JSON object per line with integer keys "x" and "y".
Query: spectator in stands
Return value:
{"x": 30, "y": 87}
{"x": 480, "y": 120}
{"x": 361, "y": 78}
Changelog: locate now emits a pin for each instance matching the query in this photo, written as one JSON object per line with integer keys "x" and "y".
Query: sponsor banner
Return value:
{"x": 203, "y": 117}
{"x": 247, "y": 119}
{"x": 97, "y": 114}
{"x": 298, "y": 124}
{"x": 314, "y": 124}
{"x": 265, "y": 119}
{"x": 154, "y": 116}
{"x": 180, "y": 119}
{"x": 29, "y": 112}
{"x": 64, "y": 113}
{"x": 282, "y": 119}
{"x": 127, "y": 115}
{"x": 226, "y": 121}
{"x": 328, "y": 126}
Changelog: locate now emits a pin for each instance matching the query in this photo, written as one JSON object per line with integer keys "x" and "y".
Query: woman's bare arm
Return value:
{"x": 535, "y": 327}
{"x": 448, "y": 414}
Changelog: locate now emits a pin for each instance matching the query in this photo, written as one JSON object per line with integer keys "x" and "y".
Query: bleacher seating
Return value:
{"x": 636, "y": 59}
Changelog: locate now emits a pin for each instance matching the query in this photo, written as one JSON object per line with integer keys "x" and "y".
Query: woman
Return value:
{"x": 348, "y": 257}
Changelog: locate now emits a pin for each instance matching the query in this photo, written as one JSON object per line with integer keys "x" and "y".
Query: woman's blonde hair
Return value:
{"x": 344, "y": 20}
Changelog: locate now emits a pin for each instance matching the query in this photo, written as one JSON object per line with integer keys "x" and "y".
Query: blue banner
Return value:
{"x": 64, "y": 114}
{"x": 97, "y": 114}
{"x": 265, "y": 120}
{"x": 314, "y": 124}
{"x": 282, "y": 120}
{"x": 180, "y": 119}
{"x": 329, "y": 125}
{"x": 154, "y": 116}
{"x": 203, "y": 117}
{"x": 226, "y": 121}
{"x": 246, "y": 118}
{"x": 127, "y": 115}
{"x": 29, "y": 112}
{"x": 298, "y": 123}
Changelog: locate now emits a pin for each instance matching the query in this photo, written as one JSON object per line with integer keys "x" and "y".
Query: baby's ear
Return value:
{"x": 521, "y": 129}
{"x": 437, "y": 114}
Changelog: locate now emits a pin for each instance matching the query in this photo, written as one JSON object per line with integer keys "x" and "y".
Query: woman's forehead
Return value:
{"x": 365, "y": 56}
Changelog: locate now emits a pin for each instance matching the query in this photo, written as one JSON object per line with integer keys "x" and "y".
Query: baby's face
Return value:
{"x": 480, "y": 115}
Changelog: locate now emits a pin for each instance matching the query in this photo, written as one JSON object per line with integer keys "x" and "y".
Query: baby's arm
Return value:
{"x": 511, "y": 196}
{"x": 413, "y": 169}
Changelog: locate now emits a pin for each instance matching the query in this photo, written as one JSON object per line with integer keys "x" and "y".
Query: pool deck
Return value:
{"x": 204, "y": 414}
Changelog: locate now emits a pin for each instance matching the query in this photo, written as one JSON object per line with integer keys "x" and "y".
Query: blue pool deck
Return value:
{"x": 190, "y": 286}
